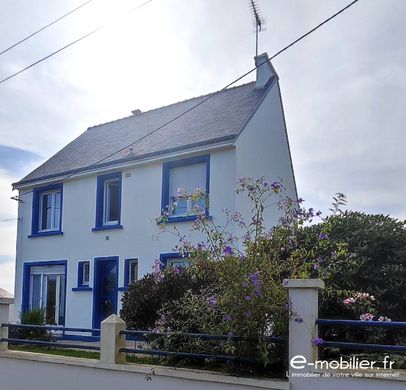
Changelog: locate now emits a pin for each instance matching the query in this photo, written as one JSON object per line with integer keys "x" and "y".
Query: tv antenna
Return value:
{"x": 258, "y": 21}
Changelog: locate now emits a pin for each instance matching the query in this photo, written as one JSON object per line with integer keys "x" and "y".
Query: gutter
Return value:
{"x": 218, "y": 144}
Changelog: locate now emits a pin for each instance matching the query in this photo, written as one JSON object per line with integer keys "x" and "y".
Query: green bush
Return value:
{"x": 377, "y": 264}
{"x": 144, "y": 298}
{"x": 32, "y": 317}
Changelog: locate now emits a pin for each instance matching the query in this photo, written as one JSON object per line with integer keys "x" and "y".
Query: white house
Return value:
{"x": 86, "y": 227}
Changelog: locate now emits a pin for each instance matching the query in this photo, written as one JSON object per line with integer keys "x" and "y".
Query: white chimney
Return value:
{"x": 265, "y": 70}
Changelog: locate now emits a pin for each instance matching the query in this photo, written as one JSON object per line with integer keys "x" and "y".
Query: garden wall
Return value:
{"x": 24, "y": 370}
{"x": 21, "y": 370}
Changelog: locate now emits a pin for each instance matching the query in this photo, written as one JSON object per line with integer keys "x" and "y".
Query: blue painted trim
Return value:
{"x": 25, "y": 305}
{"x": 127, "y": 271}
{"x": 163, "y": 258}
{"x": 36, "y": 193}
{"x": 82, "y": 288}
{"x": 46, "y": 234}
{"x": 96, "y": 286}
{"x": 100, "y": 201}
{"x": 107, "y": 227}
{"x": 186, "y": 218}
{"x": 80, "y": 284}
{"x": 123, "y": 288}
{"x": 166, "y": 167}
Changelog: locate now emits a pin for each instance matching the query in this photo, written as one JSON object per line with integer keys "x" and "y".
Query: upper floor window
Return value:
{"x": 47, "y": 210}
{"x": 108, "y": 202}
{"x": 185, "y": 176}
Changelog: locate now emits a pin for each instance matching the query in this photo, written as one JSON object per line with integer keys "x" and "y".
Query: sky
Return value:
{"x": 343, "y": 87}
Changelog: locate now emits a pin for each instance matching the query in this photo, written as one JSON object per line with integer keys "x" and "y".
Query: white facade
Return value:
{"x": 260, "y": 150}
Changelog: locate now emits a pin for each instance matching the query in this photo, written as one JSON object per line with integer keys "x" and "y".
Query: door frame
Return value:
{"x": 96, "y": 286}
{"x": 26, "y": 290}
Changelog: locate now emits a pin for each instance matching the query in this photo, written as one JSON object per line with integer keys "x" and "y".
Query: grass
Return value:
{"x": 57, "y": 351}
{"x": 77, "y": 353}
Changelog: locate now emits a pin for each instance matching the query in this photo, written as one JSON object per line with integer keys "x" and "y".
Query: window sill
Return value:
{"x": 107, "y": 227}
{"x": 186, "y": 218}
{"x": 45, "y": 234}
{"x": 122, "y": 288}
{"x": 82, "y": 288}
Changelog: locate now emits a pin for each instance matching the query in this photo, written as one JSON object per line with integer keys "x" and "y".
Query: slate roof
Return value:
{"x": 219, "y": 119}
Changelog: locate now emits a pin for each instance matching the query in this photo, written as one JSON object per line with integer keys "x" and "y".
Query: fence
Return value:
{"x": 303, "y": 343}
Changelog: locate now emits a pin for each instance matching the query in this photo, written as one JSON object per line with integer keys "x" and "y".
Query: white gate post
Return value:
{"x": 4, "y": 318}
{"x": 111, "y": 340}
{"x": 304, "y": 306}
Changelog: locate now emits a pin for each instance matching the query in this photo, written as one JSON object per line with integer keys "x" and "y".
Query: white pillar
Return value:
{"x": 304, "y": 306}
{"x": 111, "y": 340}
{"x": 4, "y": 318}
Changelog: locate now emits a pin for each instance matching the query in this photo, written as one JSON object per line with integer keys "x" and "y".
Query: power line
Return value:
{"x": 8, "y": 220}
{"x": 207, "y": 98}
{"x": 44, "y": 27}
{"x": 66, "y": 46}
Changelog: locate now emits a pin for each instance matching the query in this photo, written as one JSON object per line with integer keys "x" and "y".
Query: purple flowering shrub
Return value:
{"x": 250, "y": 262}
{"x": 233, "y": 285}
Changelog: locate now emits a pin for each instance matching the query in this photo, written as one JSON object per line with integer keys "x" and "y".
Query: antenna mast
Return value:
{"x": 258, "y": 21}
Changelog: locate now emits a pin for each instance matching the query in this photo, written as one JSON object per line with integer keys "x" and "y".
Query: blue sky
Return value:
{"x": 343, "y": 88}
{"x": 15, "y": 160}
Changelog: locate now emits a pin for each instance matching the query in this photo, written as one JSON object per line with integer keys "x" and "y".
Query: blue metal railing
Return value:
{"x": 53, "y": 328}
{"x": 203, "y": 336}
{"x": 136, "y": 334}
{"x": 363, "y": 324}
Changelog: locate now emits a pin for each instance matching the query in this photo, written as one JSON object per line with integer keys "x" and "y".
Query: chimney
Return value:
{"x": 265, "y": 72}
{"x": 136, "y": 112}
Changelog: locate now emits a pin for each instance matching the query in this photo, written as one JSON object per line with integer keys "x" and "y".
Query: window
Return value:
{"x": 173, "y": 260}
{"x": 130, "y": 271}
{"x": 185, "y": 175}
{"x": 47, "y": 211}
{"x": 108, "y": 201}
{"x": 83, "y": 276}
{"x": 44, "y": 287}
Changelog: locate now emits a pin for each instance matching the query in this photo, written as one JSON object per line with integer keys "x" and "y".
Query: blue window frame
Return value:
{"x": 186, "y": 175}
{"x": 44, "y": 285}
{"x": 47, "y": 211}
{"x": 108, "y": 202}
{"x": 130, "y": 271}
{"x": 83, "y": 277}
{"x": 173, "y": 259}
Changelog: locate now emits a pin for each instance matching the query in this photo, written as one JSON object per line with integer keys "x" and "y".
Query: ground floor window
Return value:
{"x": 45, "y": 287}
{"x": 173, "y": 260}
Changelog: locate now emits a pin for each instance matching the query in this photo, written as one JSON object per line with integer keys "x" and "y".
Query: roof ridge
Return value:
{"x": 172, "y": 104}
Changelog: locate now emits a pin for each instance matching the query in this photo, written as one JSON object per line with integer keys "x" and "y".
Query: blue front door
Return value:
{"x": 105, "y": 289}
